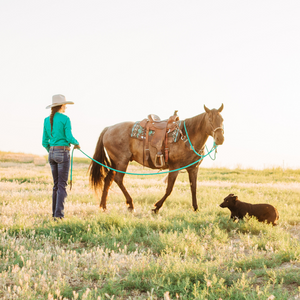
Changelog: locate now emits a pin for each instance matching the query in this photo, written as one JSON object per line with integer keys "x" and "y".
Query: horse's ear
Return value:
{"x": 206, "y": 109}
{"x": 221, "y": 108}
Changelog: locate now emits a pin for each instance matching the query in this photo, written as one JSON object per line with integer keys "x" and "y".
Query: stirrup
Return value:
{"x": 159, "y": 161}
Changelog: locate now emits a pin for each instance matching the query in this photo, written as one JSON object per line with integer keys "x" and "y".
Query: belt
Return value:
{"x": 60, "y": 147}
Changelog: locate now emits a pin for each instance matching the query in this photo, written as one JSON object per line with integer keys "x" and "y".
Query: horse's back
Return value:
{"x": 118, "y": 132}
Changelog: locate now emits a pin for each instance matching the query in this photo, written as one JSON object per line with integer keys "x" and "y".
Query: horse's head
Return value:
{"x": 215, "y": 124}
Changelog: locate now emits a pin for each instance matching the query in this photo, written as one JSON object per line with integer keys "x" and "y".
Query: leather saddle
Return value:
{"x": 159, "y": 139}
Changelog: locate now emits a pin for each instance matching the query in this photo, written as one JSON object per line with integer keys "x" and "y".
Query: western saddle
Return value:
{"x": 159, "y": 139}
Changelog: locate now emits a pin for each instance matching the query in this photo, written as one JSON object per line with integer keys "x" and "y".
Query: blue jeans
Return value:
{"x": 59, "y": 160}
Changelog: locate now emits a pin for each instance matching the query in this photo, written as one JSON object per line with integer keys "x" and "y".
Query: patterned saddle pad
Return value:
{"x": 138, "y": 132}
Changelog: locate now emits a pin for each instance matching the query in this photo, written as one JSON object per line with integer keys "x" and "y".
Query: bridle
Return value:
{"x": 216, "y": 129}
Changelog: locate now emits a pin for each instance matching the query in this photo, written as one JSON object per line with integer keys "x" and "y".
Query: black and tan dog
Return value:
{"x": 263, "y": 212}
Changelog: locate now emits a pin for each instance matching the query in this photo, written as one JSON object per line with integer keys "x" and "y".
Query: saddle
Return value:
{"x": 159, "y": 139}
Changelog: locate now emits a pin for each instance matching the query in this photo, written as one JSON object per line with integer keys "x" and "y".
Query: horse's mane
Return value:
{"x": 195, "y": 123}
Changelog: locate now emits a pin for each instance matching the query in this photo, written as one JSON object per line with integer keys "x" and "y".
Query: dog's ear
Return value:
{"x": 228, "y": 197}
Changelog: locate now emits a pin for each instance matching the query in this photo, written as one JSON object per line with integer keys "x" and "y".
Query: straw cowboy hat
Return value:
{"x": 59, "y": 100}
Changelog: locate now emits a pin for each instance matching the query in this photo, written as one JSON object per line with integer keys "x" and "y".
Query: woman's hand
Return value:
{"x": 76, "y": 147}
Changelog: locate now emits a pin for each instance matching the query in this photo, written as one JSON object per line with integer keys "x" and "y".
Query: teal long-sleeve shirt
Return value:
{"x": 61, "y": 132}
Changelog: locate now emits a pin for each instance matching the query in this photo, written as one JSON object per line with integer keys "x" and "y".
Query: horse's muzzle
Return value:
{"x": 218, "y": 135}
{"x": 219, "y": 140}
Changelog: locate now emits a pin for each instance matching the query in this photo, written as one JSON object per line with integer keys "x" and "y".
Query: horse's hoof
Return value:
{"x": 131, "y": 209}
{"x": 103, "y": 209}
{"x": 155, "y": 210}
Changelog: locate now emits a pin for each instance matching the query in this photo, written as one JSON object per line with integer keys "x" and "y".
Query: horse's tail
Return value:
{"x": 99, "y": 172}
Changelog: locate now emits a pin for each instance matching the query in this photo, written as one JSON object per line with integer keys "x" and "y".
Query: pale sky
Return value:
{"x": 122, "y": 60}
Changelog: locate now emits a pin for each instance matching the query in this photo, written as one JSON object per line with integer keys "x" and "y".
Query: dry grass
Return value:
{"x": 22, "y": 158}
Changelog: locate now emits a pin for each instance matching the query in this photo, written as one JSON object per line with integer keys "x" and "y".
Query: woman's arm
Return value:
{"x": 46, "y": 138}
{"x": 69, "y": 135}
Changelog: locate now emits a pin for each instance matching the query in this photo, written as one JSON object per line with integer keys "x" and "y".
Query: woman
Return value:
{"x": 57, "y": 137}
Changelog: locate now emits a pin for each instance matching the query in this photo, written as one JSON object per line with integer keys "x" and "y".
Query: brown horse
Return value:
{"x": 116, "y": 148}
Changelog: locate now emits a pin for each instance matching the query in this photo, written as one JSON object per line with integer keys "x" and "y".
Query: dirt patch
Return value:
{"x": 276, "y": 185}
{"x": 295, "y": 231}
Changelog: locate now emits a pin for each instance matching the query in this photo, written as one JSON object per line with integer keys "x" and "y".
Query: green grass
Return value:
{"x": 177, "y": 253}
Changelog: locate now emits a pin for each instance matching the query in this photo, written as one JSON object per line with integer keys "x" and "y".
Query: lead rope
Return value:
{"x": 214, "y": 148}
{"x": 71, "y": 170}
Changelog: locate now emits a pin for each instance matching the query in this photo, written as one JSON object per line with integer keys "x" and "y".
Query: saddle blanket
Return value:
{"x": 138, "y": 132}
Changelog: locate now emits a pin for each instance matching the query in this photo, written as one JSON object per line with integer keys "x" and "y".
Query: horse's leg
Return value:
{"x": 193, "y": 173}
{"x": 107, "y": 183}
{"x": 119, "y": 181}
{"x": 171, "y": 180}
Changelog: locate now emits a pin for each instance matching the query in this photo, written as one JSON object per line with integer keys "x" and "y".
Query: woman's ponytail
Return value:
{"x": 54, "y": 110}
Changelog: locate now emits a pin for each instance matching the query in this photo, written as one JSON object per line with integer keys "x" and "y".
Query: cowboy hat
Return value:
{"x": 59, "y": 100}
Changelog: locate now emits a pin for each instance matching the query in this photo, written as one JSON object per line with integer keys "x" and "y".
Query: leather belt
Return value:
{"x": 60, "y": 147}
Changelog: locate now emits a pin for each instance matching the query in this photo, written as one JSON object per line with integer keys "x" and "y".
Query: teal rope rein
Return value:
{"x": 214, "y": 148}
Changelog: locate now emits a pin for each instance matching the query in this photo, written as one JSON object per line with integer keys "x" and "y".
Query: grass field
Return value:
{"x": 176, "y": 254}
